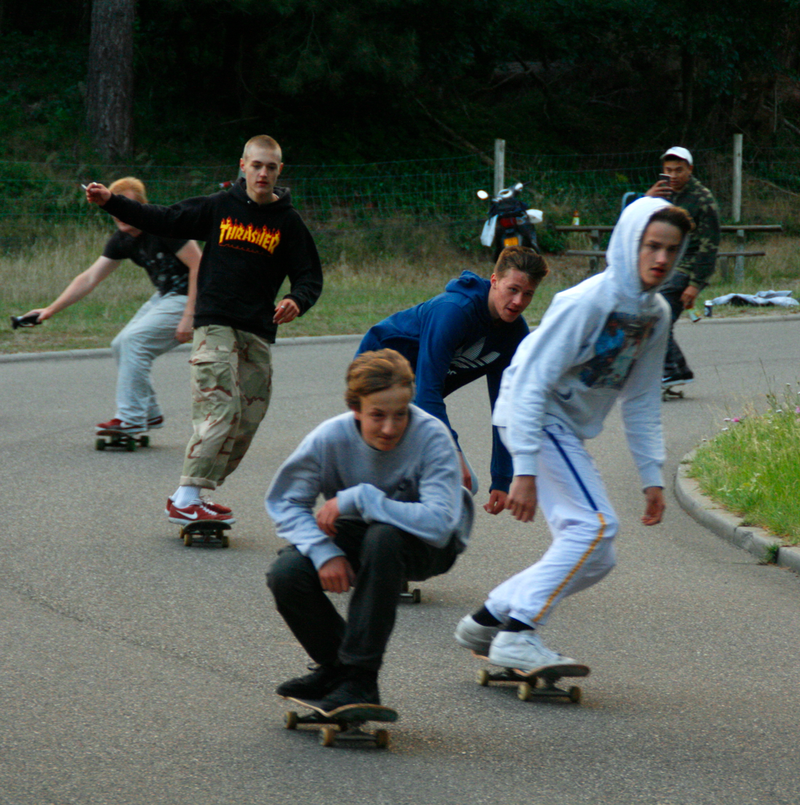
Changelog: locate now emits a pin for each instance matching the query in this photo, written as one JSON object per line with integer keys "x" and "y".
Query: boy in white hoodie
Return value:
{"x": 605, "y": 338}
{"x": 394, "y": 509}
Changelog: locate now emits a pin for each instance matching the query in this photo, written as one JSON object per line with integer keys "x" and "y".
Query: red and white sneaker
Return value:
{"x": 155, "y": 422}
{"x": 195, "y": 512}
{"x": 217, "y": 507}
{"x": 114, "y": 426}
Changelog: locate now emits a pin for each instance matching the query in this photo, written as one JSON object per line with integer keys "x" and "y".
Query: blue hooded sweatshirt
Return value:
{"x": 450, "y": 341}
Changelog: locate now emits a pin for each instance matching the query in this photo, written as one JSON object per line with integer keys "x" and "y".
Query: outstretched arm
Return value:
{"x": 97, "y": 193}
{"x": 81, "y": 286}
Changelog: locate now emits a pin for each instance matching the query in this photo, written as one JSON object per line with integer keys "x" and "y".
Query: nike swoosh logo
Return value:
{"x": 189, "y": 516}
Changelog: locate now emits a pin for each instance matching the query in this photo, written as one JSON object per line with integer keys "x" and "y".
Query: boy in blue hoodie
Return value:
{"x": 601, "y": 340}
{"x": 470, "y": 331}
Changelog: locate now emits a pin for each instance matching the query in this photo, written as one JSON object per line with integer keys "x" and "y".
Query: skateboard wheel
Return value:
{"x": 290, "y": 720}
{"x": 327, "y": 736}
{"x": 482, "y": 677}
{"x": 575, "y": 694}
{"x": 130, "y": 446}
{"x": 416, "y": 595}
{"x": 144, "y": 441}
{"x": 524, "y": 691}
{"x": 382, "y": 738}
{"x": 225, "y": 540}
{"x": 100, "y": 444}
{"x": 187, "y": 538}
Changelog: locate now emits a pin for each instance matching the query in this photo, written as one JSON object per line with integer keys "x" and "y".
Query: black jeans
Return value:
{"x": 671, "y": 290}
{"x": 382, "y": 557}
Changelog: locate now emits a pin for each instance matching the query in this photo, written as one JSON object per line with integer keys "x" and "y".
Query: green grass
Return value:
{"x": 753, "y": 466}
{"x": 364, "y": 283}
{"x": 367, "y": 277}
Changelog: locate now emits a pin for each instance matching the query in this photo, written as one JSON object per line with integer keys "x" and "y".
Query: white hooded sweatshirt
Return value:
{"x": 602, "y": 339}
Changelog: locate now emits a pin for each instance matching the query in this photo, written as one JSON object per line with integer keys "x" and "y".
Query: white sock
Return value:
{"x": 184, "y": 495}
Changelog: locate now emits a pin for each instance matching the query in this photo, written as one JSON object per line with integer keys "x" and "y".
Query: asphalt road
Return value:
{"x": 135, "y": 670}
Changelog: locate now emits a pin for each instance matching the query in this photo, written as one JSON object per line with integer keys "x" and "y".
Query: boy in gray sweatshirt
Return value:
{"x": 394, "y": 510}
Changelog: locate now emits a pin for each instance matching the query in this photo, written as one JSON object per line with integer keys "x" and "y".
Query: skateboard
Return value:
{"x": 344, "y": 723}
{"x": 205, "y": 531}
{"x": 124, "y": 441}
{"x": 672, "y": 392}
{"x": 541, "y": 683}
{"x": 412, "y": 596}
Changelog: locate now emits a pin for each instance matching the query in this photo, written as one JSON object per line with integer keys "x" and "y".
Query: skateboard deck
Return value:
{"x": 541, "y": 683}
{"x": 205, "y": 531}
{"x": 123, "y": 441}
{"x": 672, "y": 392}
{"x": 344, "y": 723}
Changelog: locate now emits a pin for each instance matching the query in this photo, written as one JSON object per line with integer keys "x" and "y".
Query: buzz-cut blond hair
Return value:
{"x": 265, "y": 141}
{"x": 132, "y": 185}
{"x": 376, "y": 371}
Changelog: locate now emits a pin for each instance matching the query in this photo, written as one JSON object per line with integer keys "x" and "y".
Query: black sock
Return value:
{"x": 517, "y": 626}
{"x": 485, "y": 618}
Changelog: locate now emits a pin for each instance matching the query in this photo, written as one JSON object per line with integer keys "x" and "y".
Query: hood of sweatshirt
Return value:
{"x": 622, "y": 255}
{"x": 474, "y": 288}
{"x": 284, "y": 200}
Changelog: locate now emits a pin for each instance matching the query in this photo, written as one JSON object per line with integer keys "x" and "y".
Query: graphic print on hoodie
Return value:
{"x": 617, "y": 348}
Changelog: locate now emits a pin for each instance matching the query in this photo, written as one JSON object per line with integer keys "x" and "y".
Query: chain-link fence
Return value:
{"x": 37, "y": 197}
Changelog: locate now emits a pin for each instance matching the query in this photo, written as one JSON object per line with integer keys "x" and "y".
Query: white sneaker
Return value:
{"x": 471, "y": 634}
{"x": 525, "y": 651}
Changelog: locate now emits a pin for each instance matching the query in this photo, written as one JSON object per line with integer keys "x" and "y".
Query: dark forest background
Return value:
{"x": 176, "y": 82}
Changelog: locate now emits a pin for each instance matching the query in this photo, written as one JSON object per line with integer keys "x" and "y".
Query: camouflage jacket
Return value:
{"x": 701, "y": 254}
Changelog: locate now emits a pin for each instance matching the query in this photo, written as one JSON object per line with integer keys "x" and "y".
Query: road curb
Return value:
{"x": 75, "y": 354}
{"x": 720, "y": 521}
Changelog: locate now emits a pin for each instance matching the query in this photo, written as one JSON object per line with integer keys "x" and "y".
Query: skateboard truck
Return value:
{"x": 344, "y": 724}
{"x": 539, "y": 684}
{"x": 411, "y": 596}
{"x": 205, "y": 531}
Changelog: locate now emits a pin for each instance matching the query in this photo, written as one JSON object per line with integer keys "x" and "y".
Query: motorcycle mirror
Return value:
{"x": 535, "y": 216}
{"x": 483, "y": 195}
{"x": 518, "y": 186}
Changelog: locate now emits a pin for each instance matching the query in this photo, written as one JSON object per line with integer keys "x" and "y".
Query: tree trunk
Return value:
{"x": 109, "y": 84}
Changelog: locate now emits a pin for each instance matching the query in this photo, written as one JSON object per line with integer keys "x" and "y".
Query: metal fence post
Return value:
{"x": 736, "y": 211}
{"x": 499, "y": 165}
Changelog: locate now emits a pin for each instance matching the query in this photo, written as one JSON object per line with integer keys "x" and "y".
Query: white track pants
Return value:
{"x": 582, "y": 522}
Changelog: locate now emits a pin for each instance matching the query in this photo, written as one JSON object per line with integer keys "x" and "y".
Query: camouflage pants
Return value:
{"x": 231, "y": 387}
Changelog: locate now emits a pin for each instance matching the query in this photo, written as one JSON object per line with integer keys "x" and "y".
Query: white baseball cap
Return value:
{"x": 680, "y": 153}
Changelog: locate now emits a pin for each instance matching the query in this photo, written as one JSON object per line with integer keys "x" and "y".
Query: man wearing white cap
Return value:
{"x": 698, "y": 263}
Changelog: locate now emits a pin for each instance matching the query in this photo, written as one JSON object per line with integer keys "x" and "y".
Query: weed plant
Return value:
{"x": 752, "y": 468}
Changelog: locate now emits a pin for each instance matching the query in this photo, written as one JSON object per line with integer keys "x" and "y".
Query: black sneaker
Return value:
{"x": 677, "y": 378}
{"x": 316, "y": 685}
{"x": 356, "y": 689}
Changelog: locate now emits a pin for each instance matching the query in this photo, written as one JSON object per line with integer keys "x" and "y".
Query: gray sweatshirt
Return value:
{"x": 415, "y": 487}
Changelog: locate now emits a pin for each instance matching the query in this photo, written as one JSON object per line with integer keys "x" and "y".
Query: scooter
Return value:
{"x": 509, "y": 222}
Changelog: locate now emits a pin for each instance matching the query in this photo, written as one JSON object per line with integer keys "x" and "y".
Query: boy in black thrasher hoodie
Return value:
{"x": 254, "y": 239}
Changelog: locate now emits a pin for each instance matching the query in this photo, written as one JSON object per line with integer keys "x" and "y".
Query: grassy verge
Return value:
{"x": 364, "y": 282}
{"x": 362, "y": 286}
{"x": 752, "y": 467}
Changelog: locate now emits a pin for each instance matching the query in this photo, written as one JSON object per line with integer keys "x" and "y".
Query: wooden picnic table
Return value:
{"x": 737, "y": 256}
